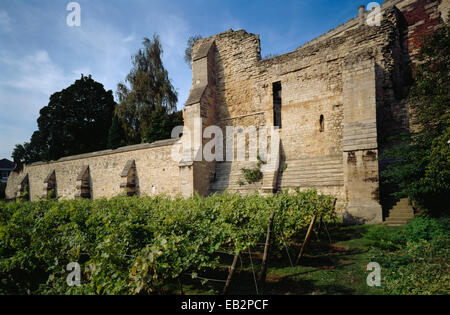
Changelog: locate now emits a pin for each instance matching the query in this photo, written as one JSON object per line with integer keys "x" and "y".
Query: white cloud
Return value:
{"x": 27, "y": 80}
{"x": 17, "y": 105}
{"x": 99, "y": 48}
{"x": 33, "y": 73}
{"x": 5, "y": 21}
{"x": 25, "y": 87}
{"x": 129, "y": 38}
{"x": 18, "y": 112}
{"x": 104, "y": 50}
{"x": 174, "y": 32}
{"x": 11, "y": 135}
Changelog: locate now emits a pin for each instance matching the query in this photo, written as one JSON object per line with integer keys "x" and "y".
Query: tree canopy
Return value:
{"x": 162, "y": 124}
{"x": 76, "y": 120}
{"x": 85, "y": 118}
{"x": 147, "y": 89}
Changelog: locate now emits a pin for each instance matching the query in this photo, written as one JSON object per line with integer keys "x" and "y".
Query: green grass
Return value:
{"x": 326, "y": 269}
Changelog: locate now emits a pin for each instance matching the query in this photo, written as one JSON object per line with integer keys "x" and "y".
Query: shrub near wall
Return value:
{"x": 414, "y": 259}
{"x": 137, "y": 246}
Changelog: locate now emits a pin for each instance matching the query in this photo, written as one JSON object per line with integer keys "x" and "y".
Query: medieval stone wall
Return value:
{"x": 342, "y": 98}
{"x": 155, "y": 173}
{"x": 312, "y": 87}
{"x": 444, "y": 9}
{"x": 423, "y": 17}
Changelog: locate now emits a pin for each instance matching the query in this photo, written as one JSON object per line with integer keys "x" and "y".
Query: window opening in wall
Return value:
{"x": 129, "y": 178}
{"x": 84, "y": 183}
{"x": 51, "y": 185}
{"x": 277, "y": 102}
{"x": 322, "y": 123}
{"x": 24, "y": 188}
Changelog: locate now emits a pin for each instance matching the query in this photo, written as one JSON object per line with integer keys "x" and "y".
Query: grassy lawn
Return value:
{"x": 331, "y": 269}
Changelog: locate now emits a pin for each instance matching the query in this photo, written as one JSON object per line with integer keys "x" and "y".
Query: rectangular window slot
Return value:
{"x": 276, "y": 88}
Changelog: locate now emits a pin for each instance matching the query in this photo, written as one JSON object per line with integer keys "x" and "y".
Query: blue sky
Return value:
{"x": 40, "y": 54}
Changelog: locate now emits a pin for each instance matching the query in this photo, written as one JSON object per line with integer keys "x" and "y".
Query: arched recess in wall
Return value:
{"x": 84, "y": 184}
{"x": 50, "y": 185}
{"x": 23, "y": 188}
{"x": 322, "y": 123}
{"x": 129, "y": 178}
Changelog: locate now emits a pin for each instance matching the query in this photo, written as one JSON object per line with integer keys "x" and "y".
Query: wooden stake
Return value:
{"x": 325, "y": 223}
{"x": 326, "y": 230}
{"x": 308, "y": 234}
{"x": 262, "y": 277}
{"x": 318, "y": 229}
{"x": 230, "y": 274}
{"x": 181, "y": 287}
{"x": 316, "y": 232}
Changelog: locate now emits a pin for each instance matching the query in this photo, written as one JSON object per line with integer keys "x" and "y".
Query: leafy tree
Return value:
{"x": 19, "y": 155}
{"x": 29, "y": 152}
{"x": 187, "y": 53}
{"x": 149, "y": 88}
{"x": 116, "y": 135}
{"x": 422, "y": 163}
{"x": 76, "y": 120}
{"x": 162, "y": 124}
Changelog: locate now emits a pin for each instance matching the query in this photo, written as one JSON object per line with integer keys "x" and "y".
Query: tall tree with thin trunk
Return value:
{"x": 146, "y": 88}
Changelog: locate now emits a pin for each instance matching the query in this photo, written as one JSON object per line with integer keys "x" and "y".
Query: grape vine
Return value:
{"x": 127, "y": 245}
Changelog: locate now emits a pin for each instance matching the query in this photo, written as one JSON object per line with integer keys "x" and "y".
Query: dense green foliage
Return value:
{"x": 252, "y": 175}
{"x": 422, "y": 162}
{"x": 162, "y": 124}
{"x": 147, "y": 88}
{"x": 137, "y": 246}
{"x": 76, "y": 120}
{"x": 85, "y": 118}
{"x": 116, "y": 134}
{"x": 414, "y": 259}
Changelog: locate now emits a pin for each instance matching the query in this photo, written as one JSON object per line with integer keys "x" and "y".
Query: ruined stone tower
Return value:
{"x": 336, "y": 100}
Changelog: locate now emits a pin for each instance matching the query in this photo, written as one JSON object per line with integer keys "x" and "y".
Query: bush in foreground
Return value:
{"x": 414, "y": 259}
{"x": 137, "y": 246}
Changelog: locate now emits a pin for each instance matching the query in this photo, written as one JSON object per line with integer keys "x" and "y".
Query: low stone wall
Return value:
{"x": 153, "y": 171}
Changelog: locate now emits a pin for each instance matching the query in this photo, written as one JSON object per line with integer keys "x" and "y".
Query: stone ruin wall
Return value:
{"x": 155, "y": 173}
{"x": 356, "y": 76}
{"x": 312, "y": 79}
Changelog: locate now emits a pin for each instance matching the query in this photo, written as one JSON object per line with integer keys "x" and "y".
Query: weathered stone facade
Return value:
{"x": 146, "y": 169}
{"x": 337, "y": 99}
